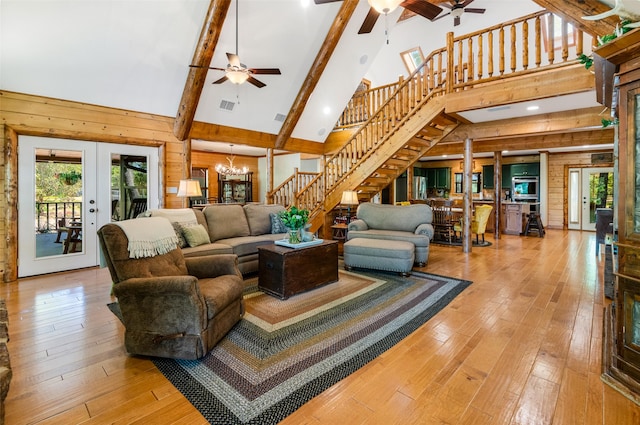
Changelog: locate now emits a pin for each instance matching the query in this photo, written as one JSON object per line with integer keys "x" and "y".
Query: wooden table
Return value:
{"x": 74, "y": 237}
{"x": 283, "y": 271}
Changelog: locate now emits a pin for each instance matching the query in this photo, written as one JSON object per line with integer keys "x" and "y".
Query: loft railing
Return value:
{"x": 517, "y": 47}
{"x": 537, "y": 41}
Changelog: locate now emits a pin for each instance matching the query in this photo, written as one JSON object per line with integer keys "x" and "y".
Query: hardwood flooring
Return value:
{"x": 521, "y": 345}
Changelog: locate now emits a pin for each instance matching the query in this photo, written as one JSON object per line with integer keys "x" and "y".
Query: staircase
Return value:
{"x": 412, "y": 119}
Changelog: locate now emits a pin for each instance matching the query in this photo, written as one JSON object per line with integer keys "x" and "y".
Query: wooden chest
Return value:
{"x": 283, "y": 271}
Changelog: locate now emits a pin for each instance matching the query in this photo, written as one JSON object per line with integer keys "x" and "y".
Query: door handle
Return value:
{"x": 92, "y": 210}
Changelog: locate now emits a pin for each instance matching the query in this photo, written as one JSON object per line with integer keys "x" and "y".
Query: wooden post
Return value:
{"x": 410, "y": 183}
{"x": 497, "y": 195}
{"x": 269, "y": 167}
{"x": 467, "y": 190}
{"x": 450, "y": 71}
{"x": 11, "y": 204}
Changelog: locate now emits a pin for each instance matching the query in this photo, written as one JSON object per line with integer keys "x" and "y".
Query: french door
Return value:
{"x": 589, "y": 189}
{"x": 69, "y": 189}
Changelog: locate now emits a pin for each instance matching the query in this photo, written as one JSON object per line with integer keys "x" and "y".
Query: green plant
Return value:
{"x": 620, "y": 29}
{"x": 69, "y": 178}
{"x": 606, "y": 123}
{"x": 294, "y": 218}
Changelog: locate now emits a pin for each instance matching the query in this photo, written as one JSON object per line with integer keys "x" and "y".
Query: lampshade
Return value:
{"x": 189, "y": 188}
{"x": 385, "y": 6}
{"x": 237, "y": 76}
{"x": 349, "y": 197}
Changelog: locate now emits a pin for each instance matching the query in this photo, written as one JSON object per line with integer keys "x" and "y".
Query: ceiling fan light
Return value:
{"x": 456, "y": 12}
{"x": 237, "y": 77}
{"x": 384, "y": 6}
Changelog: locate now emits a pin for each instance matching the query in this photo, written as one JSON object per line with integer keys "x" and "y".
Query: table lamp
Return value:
{"x": 189, "y": 188}
{"x": 349, "y": 197}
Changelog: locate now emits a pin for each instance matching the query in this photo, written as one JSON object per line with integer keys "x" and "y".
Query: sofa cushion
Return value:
{"x": 391, "y": 217}
{"x": 226, "y": 221}
{"x": 248, "y": 244}
{"x": 277, "y": 226}
{"x": 196, "y": 235}
{"x": 207, "y": 249}
{"x": 258, "y": 217}
{"x": 417, "y": 240}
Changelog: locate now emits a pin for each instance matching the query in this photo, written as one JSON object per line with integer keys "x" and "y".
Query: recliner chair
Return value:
{"x": 172, "y": 306}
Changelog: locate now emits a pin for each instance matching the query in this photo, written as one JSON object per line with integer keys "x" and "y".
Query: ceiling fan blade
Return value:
{"x": 259, "y": 84}
{"x": 472, "y": 10}
{"x": 234, "y": 60}
{"x": 447, "y": 5}
{"x": 456, "y": 21}
{"x": 207, "y": 67}
{"x": 422, "y": 8}
{"x": 441, "y": 16}
{"x": 369, "y": 21}
{"x": 272, "y": 71}
{"x": 465, "y": 3}
{"x": 221, "y": 80}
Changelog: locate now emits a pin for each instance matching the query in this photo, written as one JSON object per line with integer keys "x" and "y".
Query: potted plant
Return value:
{"x": 69, "y": 178}
{"x": 295, "y": 220}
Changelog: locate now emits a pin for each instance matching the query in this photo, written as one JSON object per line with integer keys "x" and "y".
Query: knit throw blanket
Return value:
{"x": 178, "y": 215}
{"x": 149, "y": 236}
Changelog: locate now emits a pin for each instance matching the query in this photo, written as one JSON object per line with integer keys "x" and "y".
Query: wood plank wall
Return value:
{"x": 559, "y": 163}
{"x": 47, "y": 117}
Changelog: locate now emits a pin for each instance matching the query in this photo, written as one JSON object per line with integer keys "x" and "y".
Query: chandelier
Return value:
{"x": 230, "y": 168}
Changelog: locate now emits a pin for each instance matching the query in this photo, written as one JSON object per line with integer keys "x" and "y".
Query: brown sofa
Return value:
{"x": 236, "y": 229}
{"x": 172, "y": 306}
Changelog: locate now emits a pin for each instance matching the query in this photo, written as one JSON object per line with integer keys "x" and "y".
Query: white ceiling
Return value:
{"x": 135, "y": 55}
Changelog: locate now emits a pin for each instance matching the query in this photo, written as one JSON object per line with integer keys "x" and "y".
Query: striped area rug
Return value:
{"x": 284, "y": 353}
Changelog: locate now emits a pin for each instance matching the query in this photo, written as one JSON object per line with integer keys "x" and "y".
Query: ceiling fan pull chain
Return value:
{"x": 386, "y": 27}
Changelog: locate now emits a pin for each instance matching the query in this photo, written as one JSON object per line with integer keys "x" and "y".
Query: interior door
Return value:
{"x": 68, "y": 189}
{"x": 589, "y": 189}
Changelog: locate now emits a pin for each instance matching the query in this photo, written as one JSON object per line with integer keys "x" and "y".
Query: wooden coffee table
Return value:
{"x": 283, "y": 271}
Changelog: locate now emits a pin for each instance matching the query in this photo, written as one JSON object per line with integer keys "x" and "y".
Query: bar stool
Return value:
{"x": 534, "y": 223}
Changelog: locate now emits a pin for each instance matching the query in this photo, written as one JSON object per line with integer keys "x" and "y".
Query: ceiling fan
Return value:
{"x": 457, "y": 9}
{"x": 378, "y": 7}
{"x": 237, "y": 72}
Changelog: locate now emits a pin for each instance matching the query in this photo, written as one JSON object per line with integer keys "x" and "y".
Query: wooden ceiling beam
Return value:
{"x": 312, "y": 78}
{"x": 220, "y": 133}
{"x": 209, "y": 36}
{"x": 557, "y": 122}
{"x": 536, "y": 142}
{"x": 573, "y": 11}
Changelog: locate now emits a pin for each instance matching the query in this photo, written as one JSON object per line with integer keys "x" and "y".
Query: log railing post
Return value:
{"x": 450, "y": 62}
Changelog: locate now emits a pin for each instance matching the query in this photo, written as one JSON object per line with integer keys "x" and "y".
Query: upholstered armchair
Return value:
{"x": 478, "y": 222}
{"x": 172, "y": 306}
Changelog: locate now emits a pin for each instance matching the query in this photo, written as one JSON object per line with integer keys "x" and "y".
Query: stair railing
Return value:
{"x": 464, "y": 62}
{"x": 285, "y": 193}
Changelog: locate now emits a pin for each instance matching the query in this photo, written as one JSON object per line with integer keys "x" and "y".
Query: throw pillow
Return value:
{"x": 196, "y": 235}
{"x": 177, "y": 227}
{"x": 277, "y": 226}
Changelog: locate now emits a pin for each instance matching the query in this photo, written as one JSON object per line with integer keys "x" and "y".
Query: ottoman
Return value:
{"x": 378, "y": 254}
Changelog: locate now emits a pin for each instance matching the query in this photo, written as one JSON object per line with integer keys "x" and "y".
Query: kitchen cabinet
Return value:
{"x": 517, "y": 170}
{"x": 514, "y": 216}
{"x": 439, "y": 178}
{"x": 487, "y": 176}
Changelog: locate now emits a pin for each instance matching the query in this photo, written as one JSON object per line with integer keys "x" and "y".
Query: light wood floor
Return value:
{"x": 519, "y": 346}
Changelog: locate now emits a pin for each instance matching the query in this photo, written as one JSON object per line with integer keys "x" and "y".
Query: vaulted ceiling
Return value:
{"x": 136, "y": 55}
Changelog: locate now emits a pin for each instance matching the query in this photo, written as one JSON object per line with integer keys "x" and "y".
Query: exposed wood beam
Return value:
{"x": 537, "y": 142}
{"x": 574, "y": 11}
{"x": 318, "y": 67}
{"x": 565, "y": 121}
{"x": 202, "y": 59}
{"x": 220, "y": 133}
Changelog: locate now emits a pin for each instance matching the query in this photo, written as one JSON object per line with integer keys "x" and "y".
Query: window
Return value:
{"x": 476, "y": 183}
{"x": 557, "y": 33}
{"x": 412, "y": 58}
